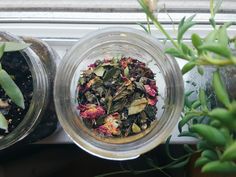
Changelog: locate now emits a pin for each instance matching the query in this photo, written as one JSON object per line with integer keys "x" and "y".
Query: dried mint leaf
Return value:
{"x": 99, "y": 71}
{"x": 109, "y": 74}
{"x": 150, "y": 111}
{"x": 137, "y": 106}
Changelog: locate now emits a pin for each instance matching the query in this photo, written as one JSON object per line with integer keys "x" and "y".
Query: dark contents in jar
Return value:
{"x": 117, "y": 97}
{"x": 16, "y": 66}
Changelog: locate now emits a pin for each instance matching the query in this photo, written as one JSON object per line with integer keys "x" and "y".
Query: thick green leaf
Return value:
{"x": 220, "y": 89}
{"x": 223, "y": 37}
{"x": 188, "y": 66}
{"x": 11, "y": 89}
{"x": 185, "y": 120}
{"x": 217, "y": 6}
{"x": 212, "y": 22}
{"x": 211, "y": 37}
{"x": 2, "y": 46}
{"x": 203, "y": 99}
{"x": 195, "y": 104}
{"x": 216, "y": 48}
{"x": 188, "y": 23}
{"x": 202, "y": 145}
{"x": 174, "y": 52}
{"x": 189, "y": 134}
{"x": 229, "y": 153}
{"x": 211, "y": 134}
{"x": 137, "y": 106}
{"x": 201, "y": 161}
{"x": 15, "y": 46}
{"x": 3, "y": 122}
{"x": 210, "y": 154}
{"x": 225, "y": 116}
{"x": 219, "y": 167}
{"x": 196, "y": 40}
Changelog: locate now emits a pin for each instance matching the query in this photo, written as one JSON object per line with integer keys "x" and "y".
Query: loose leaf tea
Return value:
{"x": 117, "y": 97}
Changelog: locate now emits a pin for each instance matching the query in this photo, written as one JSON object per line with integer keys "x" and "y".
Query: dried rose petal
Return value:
{"x": 125, "y": 61}
{"x": 92, "y": 65}
{"x": 111, "y": 125}
{"x": 91, "y": 111}
{"x": 91, "y": 82}
{"x": 152, "y": 101}
{"x": 150, "y": 90}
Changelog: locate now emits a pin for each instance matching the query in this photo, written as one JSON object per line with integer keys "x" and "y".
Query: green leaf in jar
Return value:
{"x": 3, "y": 122}
{"x": 2, "y": 46}
{"x": 126, "y": 72}
{"x": 137, "y": 106}
{"x": 15, "y": 46}
{"x": 11, "y": 89}
{"x": 99, "y": 71}
{"x": 135, "y": 128}
{"x": 109, "y": 74}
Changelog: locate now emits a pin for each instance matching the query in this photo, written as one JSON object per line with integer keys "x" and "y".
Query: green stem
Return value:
{"x": 155, "y": 22}
{"x": 138, "y": 172}
{"x": 148, "y": 25}
{"x": 218, "y": 62}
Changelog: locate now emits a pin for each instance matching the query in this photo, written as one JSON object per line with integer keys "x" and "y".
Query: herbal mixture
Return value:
{"x": 117, "y": 97}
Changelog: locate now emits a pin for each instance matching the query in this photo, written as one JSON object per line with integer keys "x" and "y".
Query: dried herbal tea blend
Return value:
{"x": 117, "y": 97}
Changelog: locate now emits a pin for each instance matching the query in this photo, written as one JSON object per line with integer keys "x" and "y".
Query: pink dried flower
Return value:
{"x": 152, "y": 101}
{"x": 111, "y": 125}
{"x": 151, "y": 91}
{"x": 91, "y": 111}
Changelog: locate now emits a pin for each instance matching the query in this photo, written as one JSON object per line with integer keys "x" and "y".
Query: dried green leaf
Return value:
{"x": 109, "y": 74}
{"x": 15, "y": 46}
{"x": 99, "y": 71}
{"x": 122, "y": 94}
{"x": 135, "y": 128}
{"x": 3, "y": 122}
{"x": 11, "y": 89}
{"x": 137, "y": 106}
{"x": 126, "y": 72}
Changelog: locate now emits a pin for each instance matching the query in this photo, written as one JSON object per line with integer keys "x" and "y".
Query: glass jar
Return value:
{"x": 108, "y": 43}
{"x": 40, "y": 98}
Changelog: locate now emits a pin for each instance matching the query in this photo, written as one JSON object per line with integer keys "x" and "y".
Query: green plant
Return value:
{"x": 214, "y": 127}
{"x": 6, "y": 81}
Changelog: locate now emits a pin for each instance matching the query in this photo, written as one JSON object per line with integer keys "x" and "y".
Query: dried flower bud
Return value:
{"x": 152, "y": 4}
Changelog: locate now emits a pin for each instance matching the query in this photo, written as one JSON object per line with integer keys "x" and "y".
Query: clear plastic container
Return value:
{"x": 108, "y": 43}
{"x": 40, "y": 98}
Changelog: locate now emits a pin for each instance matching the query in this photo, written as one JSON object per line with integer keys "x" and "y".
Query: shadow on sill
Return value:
{"x": 68, "y": 160}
